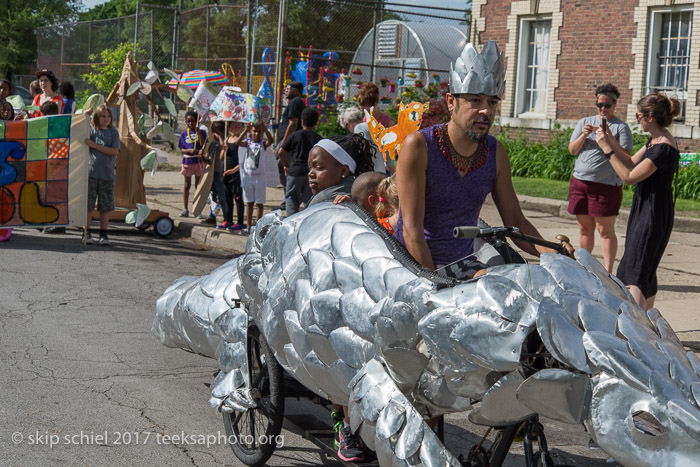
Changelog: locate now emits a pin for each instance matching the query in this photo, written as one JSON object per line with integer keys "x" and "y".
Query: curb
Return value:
{"x": 212, "y": 237}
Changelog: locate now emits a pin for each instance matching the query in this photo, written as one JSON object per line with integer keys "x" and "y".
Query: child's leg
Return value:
{"x": 228, "y": 196}
{"x": 186, "y": 191}
{"x": 259, "y": 213}
{"x": 249, "y": 215}
{"x": 240, "y": 206}
{"x": 104, "y": 220}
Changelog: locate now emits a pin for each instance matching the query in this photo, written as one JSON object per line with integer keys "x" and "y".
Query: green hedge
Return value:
{"x": 551, "y": 160}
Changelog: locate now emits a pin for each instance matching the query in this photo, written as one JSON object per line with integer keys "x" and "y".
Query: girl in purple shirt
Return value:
{"x": 191, "y": 144}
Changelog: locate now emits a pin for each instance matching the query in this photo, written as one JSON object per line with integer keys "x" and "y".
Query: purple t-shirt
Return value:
{"x": 451, "y": 200}
{"x": 191, "y": 140}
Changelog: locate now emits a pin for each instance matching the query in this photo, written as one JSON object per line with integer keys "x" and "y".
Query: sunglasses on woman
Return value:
{"x": 600, "y": 105}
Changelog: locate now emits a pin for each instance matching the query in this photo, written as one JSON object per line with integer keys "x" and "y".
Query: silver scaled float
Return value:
{"x": 354, "y": 319}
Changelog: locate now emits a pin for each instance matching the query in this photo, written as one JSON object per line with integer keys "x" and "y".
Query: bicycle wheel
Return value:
{"x": 253, "y": 435}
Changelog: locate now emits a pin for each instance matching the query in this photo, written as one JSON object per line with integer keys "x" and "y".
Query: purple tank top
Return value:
{"x": 451, "y": 200}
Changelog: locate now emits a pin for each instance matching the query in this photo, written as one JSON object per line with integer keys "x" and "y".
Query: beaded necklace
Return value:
{"x": 196, "y": 137}
{"x": 464, "y": 164}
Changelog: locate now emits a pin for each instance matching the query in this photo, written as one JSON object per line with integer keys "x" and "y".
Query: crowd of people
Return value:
{"x": 444, "y": 175}
{"x": 448, "y": 170}
{"x": 49, "y": 97}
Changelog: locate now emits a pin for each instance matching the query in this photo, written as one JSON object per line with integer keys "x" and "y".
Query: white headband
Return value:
{"x": 337, "y": 153}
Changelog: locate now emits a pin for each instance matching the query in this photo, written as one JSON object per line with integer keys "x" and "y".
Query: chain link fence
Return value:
{"x": 331, "y": 46}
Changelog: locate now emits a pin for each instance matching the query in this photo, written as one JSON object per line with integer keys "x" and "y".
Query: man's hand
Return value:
{"x": 342, "y": 199}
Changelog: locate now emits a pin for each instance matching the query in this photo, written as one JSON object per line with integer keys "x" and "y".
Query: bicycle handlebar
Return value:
{"x": 470, "y": 231}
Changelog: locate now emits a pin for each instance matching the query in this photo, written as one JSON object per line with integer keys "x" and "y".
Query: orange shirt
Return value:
{"x": 386, "y": 224}
{"x": 57, "y": 99}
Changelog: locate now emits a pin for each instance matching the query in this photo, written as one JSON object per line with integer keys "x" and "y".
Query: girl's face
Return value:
{"x": 6, "y": 112}
{"x": 4, "y": 90}
{"x": 191, "y": 122}
{"x": 324, "y": 171}
{"x": 45, "y": 84}
{"x": 256, "y": 133}
{"x": 105, "y": 119}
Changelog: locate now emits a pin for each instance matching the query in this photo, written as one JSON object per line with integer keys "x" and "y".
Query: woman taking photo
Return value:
{"x": 595, "y": 193}
{"x": 651, "y": 218}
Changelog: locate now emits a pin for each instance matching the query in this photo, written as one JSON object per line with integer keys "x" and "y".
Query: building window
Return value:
{"x": 533, "y": 67}
{"x": 669, "y": 54}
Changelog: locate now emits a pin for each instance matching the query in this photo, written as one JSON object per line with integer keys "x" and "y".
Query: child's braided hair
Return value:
{"x": 359, "y": 149}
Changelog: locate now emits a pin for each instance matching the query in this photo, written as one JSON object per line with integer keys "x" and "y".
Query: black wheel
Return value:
{"x": 163, "y": 226}
{"x": 254, "y": 435}
{"x": 143, "y": 226}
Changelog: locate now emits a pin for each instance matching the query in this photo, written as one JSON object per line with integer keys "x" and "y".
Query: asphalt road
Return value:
{"x": 84, "y": 382}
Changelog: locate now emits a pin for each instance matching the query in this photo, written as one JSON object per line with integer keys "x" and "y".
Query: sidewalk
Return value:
{"x": 164, "y": 192}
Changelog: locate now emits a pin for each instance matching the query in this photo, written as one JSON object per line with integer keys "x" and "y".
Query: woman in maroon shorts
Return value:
{"x": 595, "y": 193}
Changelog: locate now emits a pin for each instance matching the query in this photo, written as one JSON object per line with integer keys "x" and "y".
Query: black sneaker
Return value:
{"x": 50, "y": 230}
{"x": 87, "y": 238}
{"x": 350, "y": 449}
{"x": 104, "y": 239}
{"x": 337, "y": 421}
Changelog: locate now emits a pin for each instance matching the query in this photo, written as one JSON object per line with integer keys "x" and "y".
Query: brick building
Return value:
{"x": 558, "y": 51}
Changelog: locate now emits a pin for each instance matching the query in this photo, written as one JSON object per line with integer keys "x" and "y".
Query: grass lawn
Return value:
{"x": 554, "y": 189}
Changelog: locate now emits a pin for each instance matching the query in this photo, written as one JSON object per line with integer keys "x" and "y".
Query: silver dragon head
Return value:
{"x": 478, "y": 73}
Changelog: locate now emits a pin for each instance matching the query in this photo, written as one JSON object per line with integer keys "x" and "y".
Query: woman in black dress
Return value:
{"x": 651, "y": 218}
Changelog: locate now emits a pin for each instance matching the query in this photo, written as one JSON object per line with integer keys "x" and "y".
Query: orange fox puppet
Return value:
{"x": 389, "y": 140}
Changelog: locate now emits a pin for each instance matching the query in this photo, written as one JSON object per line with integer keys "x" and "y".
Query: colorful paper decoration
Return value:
{"x": 202, "y": 99}
{"x": 389, "y": 140}
{"x": 234, "y": 106}
{"x": 44, "y": 171}
{"x": 192, "y": 78}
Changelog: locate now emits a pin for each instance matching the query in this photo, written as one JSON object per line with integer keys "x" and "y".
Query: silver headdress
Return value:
{"x": 478, "y": 73}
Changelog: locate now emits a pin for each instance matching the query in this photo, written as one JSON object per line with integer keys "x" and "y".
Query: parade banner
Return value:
{"x": 44, "y": 171}
{"x": 233, "y": 106}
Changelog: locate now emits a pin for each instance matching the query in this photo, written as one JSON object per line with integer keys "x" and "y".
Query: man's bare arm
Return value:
{"x": 410, "y": 181}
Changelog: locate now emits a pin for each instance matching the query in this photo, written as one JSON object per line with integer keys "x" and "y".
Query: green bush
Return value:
{"x": 551, "y": 160}
{"x": 107, "y": 66}
{"x": 688, "y": 180}
{"x": 328, "y": 126}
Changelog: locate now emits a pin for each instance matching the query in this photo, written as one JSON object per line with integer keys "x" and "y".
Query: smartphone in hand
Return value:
{"x": 604, "y": 124}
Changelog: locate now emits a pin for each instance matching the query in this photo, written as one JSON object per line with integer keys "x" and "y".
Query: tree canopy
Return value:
{"x": 19, "y": 18}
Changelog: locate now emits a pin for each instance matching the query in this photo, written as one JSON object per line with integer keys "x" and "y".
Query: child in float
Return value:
{"x": 251, "y": 149}
{"x": 191, "y": 144}
{"x": 387, "y": 208}
{"x": 334, "y": 163}
{"x": 232, "y": 182}
{"x": 104, "y": 148}
{"x": 377, "y": 194}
